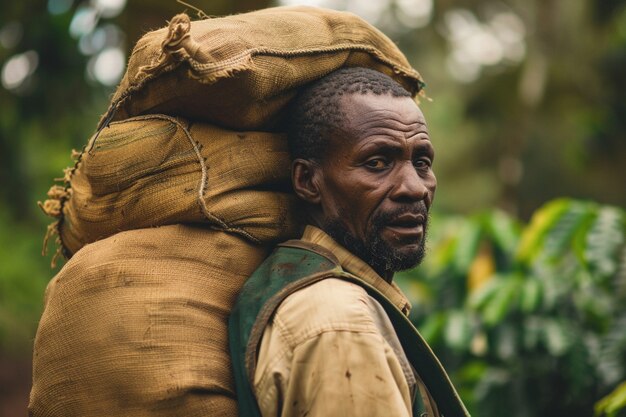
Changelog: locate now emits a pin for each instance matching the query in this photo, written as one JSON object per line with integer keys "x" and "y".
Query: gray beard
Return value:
{"x": 375, "y": 251}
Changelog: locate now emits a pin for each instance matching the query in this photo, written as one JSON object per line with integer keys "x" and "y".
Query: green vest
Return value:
{"x": 292, "y": 266}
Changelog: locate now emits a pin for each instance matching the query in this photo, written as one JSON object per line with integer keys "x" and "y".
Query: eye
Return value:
{"x": 423, "y": 163}
{"x": 377, "y": 163}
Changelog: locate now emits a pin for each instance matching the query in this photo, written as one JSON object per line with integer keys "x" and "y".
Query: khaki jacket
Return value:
{"x": 316, "y": 332}
{"x": 331, "y": 350}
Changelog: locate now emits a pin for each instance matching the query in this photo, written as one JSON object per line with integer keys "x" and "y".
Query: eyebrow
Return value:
{"x": 395, "y": 146}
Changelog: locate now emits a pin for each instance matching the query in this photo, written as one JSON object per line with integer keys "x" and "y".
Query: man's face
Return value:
{"x": 377, "y": 182}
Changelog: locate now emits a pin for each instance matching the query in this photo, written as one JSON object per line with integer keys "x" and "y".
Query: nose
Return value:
{"x": 409, "y": 186}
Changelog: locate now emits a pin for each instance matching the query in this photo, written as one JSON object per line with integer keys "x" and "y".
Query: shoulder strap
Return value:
{"x": 292, "y": 265}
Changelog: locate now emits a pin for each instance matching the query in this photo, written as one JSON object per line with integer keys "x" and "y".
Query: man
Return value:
{"x": 320, "y": 329}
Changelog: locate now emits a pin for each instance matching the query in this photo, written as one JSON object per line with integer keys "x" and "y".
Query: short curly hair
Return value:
{"x": 315, "y": 110}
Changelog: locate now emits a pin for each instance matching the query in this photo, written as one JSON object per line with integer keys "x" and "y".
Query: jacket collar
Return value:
{"x": 354, "y": 265}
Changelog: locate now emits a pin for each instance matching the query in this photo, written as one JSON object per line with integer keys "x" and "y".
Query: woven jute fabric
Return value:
{"x": 136, "y": 325}
{"x": 240, "y": 71}
{"x": 135, "y": 322}
{"x": 155, "y": 170}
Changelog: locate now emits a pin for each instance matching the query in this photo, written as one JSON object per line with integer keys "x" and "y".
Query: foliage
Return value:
{"x": 614, "y": 404}
{"x": 529, "y": 320}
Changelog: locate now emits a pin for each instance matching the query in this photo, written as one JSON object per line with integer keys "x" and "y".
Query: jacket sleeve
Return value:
{"x": 320, "y": 358}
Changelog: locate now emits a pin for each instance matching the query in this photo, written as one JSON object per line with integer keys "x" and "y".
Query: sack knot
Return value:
{"x": 51, "y": 208}
{"x": 177, "y": 46}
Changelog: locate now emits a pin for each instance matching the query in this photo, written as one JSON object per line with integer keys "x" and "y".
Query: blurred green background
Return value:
{"x": 523, "y": 292}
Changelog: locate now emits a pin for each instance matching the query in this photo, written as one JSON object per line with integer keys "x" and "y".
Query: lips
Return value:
{"x": 408, "y": 220}
{"x": 407, "y": 226}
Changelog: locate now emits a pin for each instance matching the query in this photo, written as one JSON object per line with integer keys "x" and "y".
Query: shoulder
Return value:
{"x": 329, "y": 305}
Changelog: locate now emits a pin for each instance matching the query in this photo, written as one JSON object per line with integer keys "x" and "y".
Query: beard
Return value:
{"x": 374, "y": 249}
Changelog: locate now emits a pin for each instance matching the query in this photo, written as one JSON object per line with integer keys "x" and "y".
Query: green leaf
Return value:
{"x": 530, "y": 295}
{"x": 533, "y": 235}
{"x": 604, "y": 241}
{"x": 556, "y": 337}
{"x": 432, "y": 328}
{"x": 559, "y": 238}
{"x": 481, "y": 296}
{"x": 504, "y": 230}
{"x": 501, "y": 302}
{"x": 473, "y": 371}
{"x": 610, "y": 405}
{"x": 579, "y": 241}
{"x": 620, "y": 276}
{"x": 467, "y": 246}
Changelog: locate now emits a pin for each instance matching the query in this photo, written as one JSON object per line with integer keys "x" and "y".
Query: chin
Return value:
{"x": 382, "y": 252}
{"x": 385, "y": 257}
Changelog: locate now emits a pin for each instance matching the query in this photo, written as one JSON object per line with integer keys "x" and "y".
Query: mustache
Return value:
{"x": 417, "y": 209}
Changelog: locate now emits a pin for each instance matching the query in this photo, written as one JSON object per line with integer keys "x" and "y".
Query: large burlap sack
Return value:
{"x": 237, "y": 71}
{"x": 156, "y": 170}
{"x": 240, "y": 71}
{"x": 136, "y": 325}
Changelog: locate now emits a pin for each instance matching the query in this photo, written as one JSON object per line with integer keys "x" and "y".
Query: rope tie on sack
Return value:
{"x": 53, "y": 230}
{"x": 58, "y": 195}
{"x": 53, "y": 207}
{"x": 177, "y": 46}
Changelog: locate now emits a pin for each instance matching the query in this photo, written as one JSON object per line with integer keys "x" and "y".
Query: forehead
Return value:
{"x": 370, "y": 100}
{"x": 367, "y": 115}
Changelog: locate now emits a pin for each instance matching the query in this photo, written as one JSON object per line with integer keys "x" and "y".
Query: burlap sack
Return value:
{"x": 156, "y": 170}
{"x": 239, "y": 71}
{"x": 136, "y": 325}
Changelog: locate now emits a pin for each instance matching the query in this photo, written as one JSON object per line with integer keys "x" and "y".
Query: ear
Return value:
{"x": 305, "y": 179}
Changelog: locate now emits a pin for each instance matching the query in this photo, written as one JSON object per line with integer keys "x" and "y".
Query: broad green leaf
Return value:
{"x": 441, "y": 255}
{"x": 604, "y": 241}
{"x": 579, "y": 241}
{"x": 610, "y": 405}
{"x": 432, "y": 327}
{"x": 504, "y": 230}
{"x": 559, "y": 237}
{"x": 530, "y": 295}
{"x": 501, "y": 302}
{"x": 542, "y": 220}
{"x": 473, "y": 371}
{"x": 480, "y": 297}
{"x": 467, "y": 246}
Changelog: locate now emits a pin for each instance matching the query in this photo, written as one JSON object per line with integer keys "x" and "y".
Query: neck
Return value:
{"x": 387, "y": 276}
{"x": 314, "y": 217}
{"x": 317, "y": 219}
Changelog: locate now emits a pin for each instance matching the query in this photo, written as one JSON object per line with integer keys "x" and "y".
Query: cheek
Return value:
{"x": 363, "y": 205}
{"x": 430, "y": 182}
{"x": 356, "y": 200}
{"x": 432, "y": 187}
